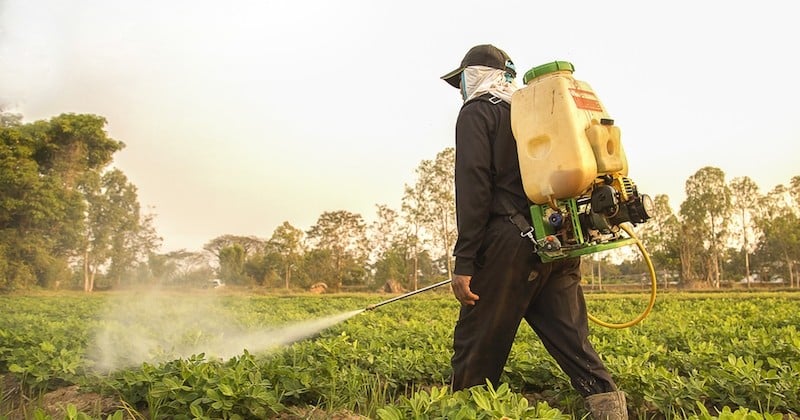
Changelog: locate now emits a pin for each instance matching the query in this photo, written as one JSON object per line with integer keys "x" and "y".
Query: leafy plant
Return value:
{"x": 696, "y": 354}
{"x": 480, "y": 402}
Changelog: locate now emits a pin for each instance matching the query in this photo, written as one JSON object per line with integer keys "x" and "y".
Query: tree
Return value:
{"x": 781, "y": 241}
{"x": 231, "y": 264}
{"x": 40, "y": 220}
{"x": 744, "y": 199}
{"x": 388, "y": 254}
{"x": 317, "y": 265}
{"x": 180, "y": 267}
{"x": 434, "y": 194}
{"x": 414, "y": 218}
{"x": 116, "y": 232}
{"x": 147, "y": 240}
{"x": 73, "y": 150}
{"x": 794, "y": 189}
{"x": 9, "y": 119}
{"x": 133, "y": 237}
{"x": 46, "y": 170}
{"x": 251, "y": 245}
{"x": 343, "y": 234}
{"x": 262, "y": 268}
{"x": 287, "y": 242}
{"x": 29, "y": 205}
{"x": 706, "y": 211}
{"x": 384, "y": 231}
{"x": 161, "y": 267}
{"x": 71, "y": 145}
{"x": 661, "y": 235}
{"x": 778, "y": 223}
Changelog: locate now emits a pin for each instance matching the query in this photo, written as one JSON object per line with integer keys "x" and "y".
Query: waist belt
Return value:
{"x": 518, "y": 219}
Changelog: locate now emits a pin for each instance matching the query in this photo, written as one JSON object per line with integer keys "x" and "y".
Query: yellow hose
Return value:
{"x": 654, "y": 286}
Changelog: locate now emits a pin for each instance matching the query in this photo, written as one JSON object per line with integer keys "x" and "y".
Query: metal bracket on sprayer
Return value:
{"x": 530, "y": 235}
{"x": 549, "y": 243}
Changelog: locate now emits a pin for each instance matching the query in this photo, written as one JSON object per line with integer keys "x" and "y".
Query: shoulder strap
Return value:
{"x": 514, "y": 215}
{"x": 488, "y": 97}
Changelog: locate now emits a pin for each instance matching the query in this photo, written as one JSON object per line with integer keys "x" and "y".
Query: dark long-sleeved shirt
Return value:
{"x": 486, "y": 166}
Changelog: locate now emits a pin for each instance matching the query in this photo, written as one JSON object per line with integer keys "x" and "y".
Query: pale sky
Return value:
{"x": 239, "y": 115}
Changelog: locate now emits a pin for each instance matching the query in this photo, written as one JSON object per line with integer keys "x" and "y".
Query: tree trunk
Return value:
{"x": 747, "y": 267}
{"x": 416, "y": 269}
{"x": 415, "y": 275}
{"x": 685, "y": 256}
{"x": 446, "y": 244}
{"x": 599, "y": 276}
{"x": 716, "y": 271}
{"x": 86, "y": 271}
{"x": 710, "y": 268}
{"x": 746, "y": 252}
{"x": 286, "y": 275}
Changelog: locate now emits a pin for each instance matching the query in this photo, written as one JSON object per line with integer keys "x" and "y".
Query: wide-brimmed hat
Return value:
{"x": 481, "y": 55}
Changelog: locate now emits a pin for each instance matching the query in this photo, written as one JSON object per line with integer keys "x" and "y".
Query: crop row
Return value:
{"x": 694, "y": 356}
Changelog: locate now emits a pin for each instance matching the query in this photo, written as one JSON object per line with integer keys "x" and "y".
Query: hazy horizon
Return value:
{"x": 240, "y": 117}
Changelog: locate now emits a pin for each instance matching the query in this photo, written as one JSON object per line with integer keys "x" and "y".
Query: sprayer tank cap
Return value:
{"x": 547, "y": 68}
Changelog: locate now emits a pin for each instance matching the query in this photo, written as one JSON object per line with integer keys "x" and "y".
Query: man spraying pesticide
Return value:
{"x": 541, "y": 179}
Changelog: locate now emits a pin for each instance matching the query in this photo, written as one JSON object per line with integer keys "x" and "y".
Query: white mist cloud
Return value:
{"x": 157, "y": 327}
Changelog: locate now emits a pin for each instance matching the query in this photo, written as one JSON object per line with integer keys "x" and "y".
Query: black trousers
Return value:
{"x": 513, "y": 285}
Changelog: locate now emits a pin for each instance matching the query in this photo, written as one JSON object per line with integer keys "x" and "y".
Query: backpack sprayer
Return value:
{"x": 574, "y": 171}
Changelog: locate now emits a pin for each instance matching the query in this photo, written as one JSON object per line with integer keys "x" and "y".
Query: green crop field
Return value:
{"x": 239, "y": 356}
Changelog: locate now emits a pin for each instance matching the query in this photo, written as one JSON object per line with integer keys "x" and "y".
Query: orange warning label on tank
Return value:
{"x": 586, "y": 99}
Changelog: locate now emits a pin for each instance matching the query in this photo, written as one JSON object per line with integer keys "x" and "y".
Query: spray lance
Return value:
{"x": 575, "y": 174}
{"x": 405, "y": 295}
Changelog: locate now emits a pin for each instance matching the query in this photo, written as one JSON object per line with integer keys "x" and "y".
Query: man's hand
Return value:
{"x": 461, "y": 290}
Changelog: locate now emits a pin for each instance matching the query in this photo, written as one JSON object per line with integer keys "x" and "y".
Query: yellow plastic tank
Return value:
{"x": 565, "y": 138}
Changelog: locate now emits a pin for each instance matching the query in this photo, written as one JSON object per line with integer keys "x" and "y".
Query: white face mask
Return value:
{"x": 479, "y": 80}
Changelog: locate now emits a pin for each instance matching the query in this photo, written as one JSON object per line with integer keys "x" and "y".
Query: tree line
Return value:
{"x": 402, "y": 249}
{"x": 727, "y": 231}
{"x": 69, "y": 220}
{"x": 65, "y": 216}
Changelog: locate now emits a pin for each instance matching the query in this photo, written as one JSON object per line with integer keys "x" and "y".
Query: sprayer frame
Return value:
{"x": 582, "y": 247}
